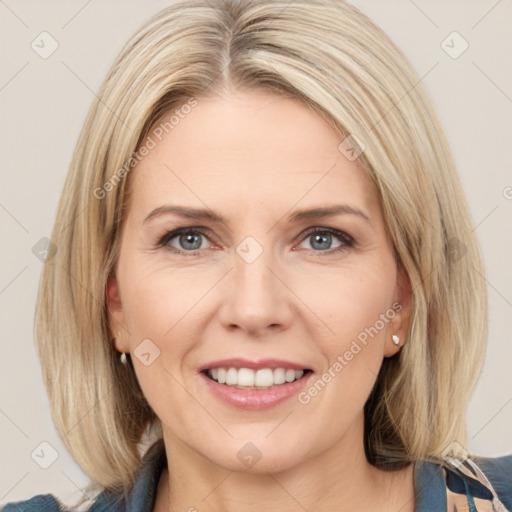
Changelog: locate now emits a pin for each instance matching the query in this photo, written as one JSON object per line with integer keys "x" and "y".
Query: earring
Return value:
{"x": 123, "y": 354}
{"x": 396, "y": 339}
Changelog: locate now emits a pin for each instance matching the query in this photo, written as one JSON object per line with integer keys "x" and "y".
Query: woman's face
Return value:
{"x": 258, "y": 287}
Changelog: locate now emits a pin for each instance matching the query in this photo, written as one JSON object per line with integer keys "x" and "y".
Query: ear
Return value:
{"x": 399, "y": 324}
{"x": 116, "y": 318}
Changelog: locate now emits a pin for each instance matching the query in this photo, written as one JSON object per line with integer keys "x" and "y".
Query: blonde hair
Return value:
{"x": 338, "y": 62}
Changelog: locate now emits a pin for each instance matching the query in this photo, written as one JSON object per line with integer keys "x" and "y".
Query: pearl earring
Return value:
{"x": 123, "y": 354}
{"x": 396, "y": 339}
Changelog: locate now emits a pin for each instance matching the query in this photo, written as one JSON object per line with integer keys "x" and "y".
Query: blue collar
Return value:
{"x": 429, "y": 481}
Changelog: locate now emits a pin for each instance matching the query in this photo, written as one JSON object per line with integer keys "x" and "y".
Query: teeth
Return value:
{"x": 259, "y": 379}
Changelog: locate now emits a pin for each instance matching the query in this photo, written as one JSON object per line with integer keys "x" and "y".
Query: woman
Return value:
{"x": 266, "y": 273}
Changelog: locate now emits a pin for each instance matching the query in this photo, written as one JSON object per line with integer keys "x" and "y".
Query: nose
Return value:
{"x": 256, "y": 299}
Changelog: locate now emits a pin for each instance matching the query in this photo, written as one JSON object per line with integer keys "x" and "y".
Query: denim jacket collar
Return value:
{"x": 431, "y": 480}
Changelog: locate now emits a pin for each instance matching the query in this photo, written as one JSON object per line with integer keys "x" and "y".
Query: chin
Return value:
{"x": 257, "y": 457}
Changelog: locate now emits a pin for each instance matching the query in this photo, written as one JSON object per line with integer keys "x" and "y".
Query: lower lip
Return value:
{"x": 256, "y": 399}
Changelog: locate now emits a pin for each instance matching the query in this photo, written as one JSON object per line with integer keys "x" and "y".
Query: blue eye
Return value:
{"x": 189, "y": 241}
{"x": 322, "y": 238}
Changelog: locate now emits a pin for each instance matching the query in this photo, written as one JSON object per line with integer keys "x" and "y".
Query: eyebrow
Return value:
{"x": 327, "y": 211}
{"x": 297, "y": 216}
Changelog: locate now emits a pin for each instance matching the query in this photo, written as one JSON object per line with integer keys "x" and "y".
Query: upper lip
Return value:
{"x": 239, "y": 362}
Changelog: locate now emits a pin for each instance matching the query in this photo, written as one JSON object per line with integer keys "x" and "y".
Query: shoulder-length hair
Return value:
{"x": 331, "y": 57}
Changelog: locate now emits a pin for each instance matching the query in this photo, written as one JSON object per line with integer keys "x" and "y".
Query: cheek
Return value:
{"x": 158, "y": 301}
{"x": 356, "y": 307}
{"x": 163, "y": 305}
{"x": 352, "y": 299}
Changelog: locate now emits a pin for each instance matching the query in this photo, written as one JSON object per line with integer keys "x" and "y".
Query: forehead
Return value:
{"x": 248, "y": 149}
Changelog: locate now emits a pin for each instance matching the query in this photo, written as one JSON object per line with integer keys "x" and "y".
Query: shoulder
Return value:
{"x": 499, "y": 473}
{"x": 105, "y": 502}
{"x": 481, "y": 478}
{"x": 45, "y": 502}
{"x": 140, "y": 498}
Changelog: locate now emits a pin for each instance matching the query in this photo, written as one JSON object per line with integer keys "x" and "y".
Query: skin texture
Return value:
{"x": 255, "y": 158}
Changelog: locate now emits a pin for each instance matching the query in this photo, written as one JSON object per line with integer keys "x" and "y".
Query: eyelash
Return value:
{"x": 346, "y": 240}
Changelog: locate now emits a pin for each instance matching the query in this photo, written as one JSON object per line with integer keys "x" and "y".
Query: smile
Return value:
{"x": 247, "y": 378}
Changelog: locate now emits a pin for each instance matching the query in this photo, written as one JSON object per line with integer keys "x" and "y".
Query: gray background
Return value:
{"x": 43, "y": 104}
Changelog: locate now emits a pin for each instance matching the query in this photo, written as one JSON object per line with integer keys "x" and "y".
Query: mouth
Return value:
{"x": 250, "y": 379}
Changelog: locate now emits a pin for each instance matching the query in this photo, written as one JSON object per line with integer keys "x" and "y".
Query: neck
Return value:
{"x": 338, "y": 479}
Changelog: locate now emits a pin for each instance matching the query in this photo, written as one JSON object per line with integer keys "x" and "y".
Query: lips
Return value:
{"x": 254, "y": 397}
{"x": 254, "y": 385}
